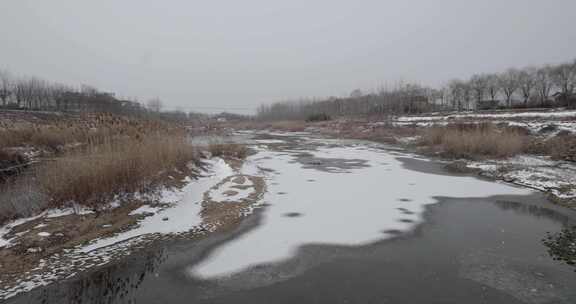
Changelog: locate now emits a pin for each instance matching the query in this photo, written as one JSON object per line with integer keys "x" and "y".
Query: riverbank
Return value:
{"x": 395, "y": 184}
{"x": 98, "y": 180}
{"x": 214, "y": 198}
{"x": 532, "y": 149}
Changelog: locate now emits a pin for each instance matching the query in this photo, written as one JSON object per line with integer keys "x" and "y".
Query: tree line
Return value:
{"x": 35, "y": 94}
{"x": 544, "y": 86}
{"x": 530, "y": 87}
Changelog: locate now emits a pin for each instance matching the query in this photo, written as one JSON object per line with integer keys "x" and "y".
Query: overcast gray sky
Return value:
{"x": 234, "y": 55}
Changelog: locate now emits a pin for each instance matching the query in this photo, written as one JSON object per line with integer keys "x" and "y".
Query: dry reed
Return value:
{"x": 475, "y": 140}
{"x": 97, "y": 175}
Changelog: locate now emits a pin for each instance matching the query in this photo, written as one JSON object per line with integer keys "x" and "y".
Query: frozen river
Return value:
{"x": 349, "y": 222}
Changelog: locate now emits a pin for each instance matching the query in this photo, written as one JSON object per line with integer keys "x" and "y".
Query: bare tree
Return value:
{"x": 543, "y": 84}
{"x": 59, "y": 94}
{"x": 509, "y": 83}
{"x": 6, "y": 86}
{"x": 155, "y": 105}
{"x": 356, "y": 93}
{"x": 467, "y": 93}
{"x": 441, "y": 96}
{"x": 493, "y": 86}
{"x": 19, "y": 93}
{"x": 479, "y": 84}
{"x": 564, "y": 77}
{"x": 455, "y": 90}
{"x": 36, "y": 92}
{"x": 24, "y": 92}
{"x": 527, "y": 82}
{"x": 42, "y": 95}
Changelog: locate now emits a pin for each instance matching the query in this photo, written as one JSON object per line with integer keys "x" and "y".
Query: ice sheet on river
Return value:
{"x": 308, "y": 205}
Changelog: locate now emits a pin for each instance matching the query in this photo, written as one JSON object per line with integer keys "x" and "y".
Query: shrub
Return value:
{"x": 562, "y": 245}
{"x": 11, "y": 163}
{"x": 318, "y": 117}
{"x": 232, "y": 150}
{"x": 290, "y": 126}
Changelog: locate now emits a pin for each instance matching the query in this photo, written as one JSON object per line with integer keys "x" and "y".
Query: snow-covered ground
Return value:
{"x": 547, "y": 127}
{"x": 537, "y": 172}
{"x": 232, "y": 191}
{"x": 548, "y": 123}
{"x": 504, "y": 115}
{"x": 5, "y": 241}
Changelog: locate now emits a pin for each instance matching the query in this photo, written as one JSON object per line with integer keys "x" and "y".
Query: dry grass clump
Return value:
{"x": 42, "y": 136}
{"x": 100, "y": 157}
{"x": 88, "y": 129}
{"x": 289, "y": 126}
{"x": 475, "y": 140}
{"x": 14, "y": 137}
{"x": 228, "y": 150}
{"x": 10, "y": 157}
{"x": 559, "y": 147}
{"x": 19, "y": 197}
{"x": 97, "y": 175}
{"x": 283, "y": 125}
{"x": 384, "y": 134}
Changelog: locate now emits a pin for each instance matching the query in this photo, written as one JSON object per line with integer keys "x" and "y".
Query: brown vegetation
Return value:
{"x": 229, "y": 150}
{"x": 99, "y": 174}
{"x": 475, "y": 140}
{"x": 86, "y": 129}
{"x": 559, "y": 147}
{"x": 93, "y": 159}
{"x": 19, "y": 197}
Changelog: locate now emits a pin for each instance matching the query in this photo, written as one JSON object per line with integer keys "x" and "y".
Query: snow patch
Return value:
{"x": 182, "y": 217}
{"x": 228, "y": 193}
{"x": 145, "y": 209}
{"x": 555, "y": 114}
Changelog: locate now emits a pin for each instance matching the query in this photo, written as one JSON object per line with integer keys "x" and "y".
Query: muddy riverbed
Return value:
{"x": 349, "y": 222}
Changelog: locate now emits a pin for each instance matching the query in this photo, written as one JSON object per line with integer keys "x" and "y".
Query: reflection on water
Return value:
{"x": 562, "y": 245}
{"x": 536, "y": 211}
{"x": 116, "y": 283}
{"x": 148, "y": 273}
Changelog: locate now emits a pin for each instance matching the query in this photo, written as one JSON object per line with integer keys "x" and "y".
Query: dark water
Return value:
{"x": 485, "y": 250}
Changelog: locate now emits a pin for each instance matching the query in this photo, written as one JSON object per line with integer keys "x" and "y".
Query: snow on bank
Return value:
{"x": 535, "y": 127}
{"x": 52, "y": 213}
{"x": 181, "y": 217}
{"x": 310, "y": 206}
{"x": 537, "y": 172}
{"x": 551, "y": 115}
{"x": 229, "y": 192}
